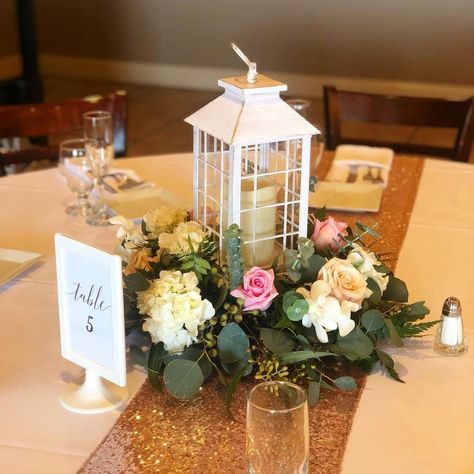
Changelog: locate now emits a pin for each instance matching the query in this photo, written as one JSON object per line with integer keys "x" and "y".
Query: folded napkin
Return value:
{"x": 14, "y": 262}
{"x": 113, "y": 184}
{"x": 356, "y": 197}
{"x": 135, "y": 203}
{"x": 361, "y": 164}
{"x": 356, "y": 179}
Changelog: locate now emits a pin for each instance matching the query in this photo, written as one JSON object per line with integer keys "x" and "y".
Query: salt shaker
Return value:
{"x": 449, "y": 339}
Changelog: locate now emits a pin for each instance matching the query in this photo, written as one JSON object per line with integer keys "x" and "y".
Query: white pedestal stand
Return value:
{"x": 95, "y": 395}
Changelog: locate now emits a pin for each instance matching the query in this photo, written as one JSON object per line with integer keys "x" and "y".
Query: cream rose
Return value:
{"x": 177, "y": 242}
{"x": 345, "y": 281}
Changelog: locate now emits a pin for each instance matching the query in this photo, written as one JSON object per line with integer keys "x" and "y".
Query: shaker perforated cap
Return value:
{"x": 452, "y": 307}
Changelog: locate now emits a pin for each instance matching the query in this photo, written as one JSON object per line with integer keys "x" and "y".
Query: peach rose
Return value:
{"x": 257, "y": 290}
{"x": 326, "y": 234}
{"x": 345, "y": 281}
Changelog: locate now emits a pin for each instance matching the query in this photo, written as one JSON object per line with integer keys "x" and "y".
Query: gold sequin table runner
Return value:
{"x": 156, "y": 433}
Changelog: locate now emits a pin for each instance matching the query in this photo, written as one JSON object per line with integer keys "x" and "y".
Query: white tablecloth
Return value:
{"x": 423, "y": 426}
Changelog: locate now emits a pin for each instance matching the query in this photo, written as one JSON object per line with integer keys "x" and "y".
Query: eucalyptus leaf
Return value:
{"x": 231, "y": 389}
{"x": 385, "y": 359}
{"x": 155, "y": 362}
{"x": 232, "y": 343}
{"x": 183, "y": 378}
{"x": 357, "y": 343}
{"x": 376, "y": 295}
{"x": 394, "y": 336}
{"x": 139, "y": 356}
{"x": 314, "y": 390}
{"x": 373, "y": 320}
{"x": 315, "y": 263}
{"x": 304, "y": 342}
{"x": 136, "y": 282}
{"x": 396, "y": 290}
{"x": 300, "y": 356}
{"x": 297, "y": 310}
{"x": 235, "y": 367}
{"x": 419, "y": 309}
{"x": 345, "y": 383}
{"x": 277, "y": 341}
{"x": 193, "y": 353}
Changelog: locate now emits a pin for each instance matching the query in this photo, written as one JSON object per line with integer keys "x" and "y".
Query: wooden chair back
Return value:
{"x": 348, "y": 106}
{"x": 49, "y": 119}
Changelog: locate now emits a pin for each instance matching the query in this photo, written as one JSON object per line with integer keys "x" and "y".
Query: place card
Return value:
{"x": 91, "y": 315}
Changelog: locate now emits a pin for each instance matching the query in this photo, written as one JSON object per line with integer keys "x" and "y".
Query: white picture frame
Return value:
{"x": 91, "y": 313}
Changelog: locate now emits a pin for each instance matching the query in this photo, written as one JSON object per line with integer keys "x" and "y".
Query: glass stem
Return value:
{"x": 101, "y": 192}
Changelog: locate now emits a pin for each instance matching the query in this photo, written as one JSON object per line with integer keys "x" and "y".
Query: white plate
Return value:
{"x": 13, "y": 262}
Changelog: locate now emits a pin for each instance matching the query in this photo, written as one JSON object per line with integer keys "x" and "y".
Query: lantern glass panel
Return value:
{"x": 269, "y": 186}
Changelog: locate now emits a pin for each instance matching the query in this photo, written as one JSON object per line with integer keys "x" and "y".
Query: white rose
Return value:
{"x": 325, "y": 312}
{"x": 365, "y": 262}
{"x": 345, "y": 281}
{"x": 177, "y": 242}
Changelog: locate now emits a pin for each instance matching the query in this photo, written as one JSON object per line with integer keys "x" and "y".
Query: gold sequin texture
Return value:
{"x": 158, "y": 434}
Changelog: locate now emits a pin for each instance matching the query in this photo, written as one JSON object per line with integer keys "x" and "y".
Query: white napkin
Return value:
{"x": 113, "y": 183}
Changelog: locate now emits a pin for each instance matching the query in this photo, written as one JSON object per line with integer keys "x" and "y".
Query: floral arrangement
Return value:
{"x": 330, "y": 300}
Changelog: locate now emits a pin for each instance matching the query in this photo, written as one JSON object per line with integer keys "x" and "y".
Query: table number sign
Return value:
{"x": 91, "y": 317}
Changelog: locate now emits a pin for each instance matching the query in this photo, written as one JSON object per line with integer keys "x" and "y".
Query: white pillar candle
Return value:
{"x": 258, "y": 223}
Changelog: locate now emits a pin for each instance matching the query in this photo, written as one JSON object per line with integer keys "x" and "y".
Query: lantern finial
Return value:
{"x": 252, "y": 73}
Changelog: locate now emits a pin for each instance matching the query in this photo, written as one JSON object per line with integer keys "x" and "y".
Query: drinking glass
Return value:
{"x": 98, "y": 138}
{"x": 74, "y": 166}
{"x": 277, "y": 429}
{"x": 300, "y": 105}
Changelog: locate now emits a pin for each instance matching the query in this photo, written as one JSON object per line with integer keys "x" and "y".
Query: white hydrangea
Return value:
{"x": 325, "y": 312}
{"x": 163, "y": 219}
{"x": 175, "y": 308}
{"x": 177, "y": 242}
{"x": 365, "y": 262}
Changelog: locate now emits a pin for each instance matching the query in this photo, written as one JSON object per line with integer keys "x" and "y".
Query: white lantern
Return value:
{"x": 251, "y": 166}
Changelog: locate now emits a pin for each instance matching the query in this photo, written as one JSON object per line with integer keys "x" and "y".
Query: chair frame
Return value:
{"x": 397, "y": 110}
{"x": 46, "y": 119}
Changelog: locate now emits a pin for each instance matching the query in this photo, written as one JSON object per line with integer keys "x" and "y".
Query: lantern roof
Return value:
{"x": 251, "y": 113}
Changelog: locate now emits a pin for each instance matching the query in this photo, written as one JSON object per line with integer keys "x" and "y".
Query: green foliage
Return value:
{"x": 232, "y": 343}
{"x": 139, "y": 356}
{"x": 136, "y": 282}
{"x": 197, "y": 260}
{"x": 314, "y": 390}
{"x": 396, "y": 290}
{"x": 277, "y": 341}
{"x": 356, "y": 345}
{"x": 345, "y": 383}
{"x": 373, "y": 320}
{"x": 235, "y": 264}
{"x": 300, "y": 356}
{"x": 295, "y": 260}
{"x": 155, "y": 362}
{"x": 182, "y": 378}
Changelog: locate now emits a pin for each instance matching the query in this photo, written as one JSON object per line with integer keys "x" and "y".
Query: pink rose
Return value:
{"x": 257, "y": 290}
{"x": 326, "y": 234}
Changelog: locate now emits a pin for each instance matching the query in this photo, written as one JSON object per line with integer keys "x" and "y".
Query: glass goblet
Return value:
{"x": 98, "y": 138}
{"x": 74, "y": 166}
{"x": 277, "y": 429}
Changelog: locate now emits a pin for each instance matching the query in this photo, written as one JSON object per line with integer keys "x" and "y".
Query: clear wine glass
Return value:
{"x": 74, "y": 166}
{"x": 277, "y": 429}
{"x": 98, "y": 138}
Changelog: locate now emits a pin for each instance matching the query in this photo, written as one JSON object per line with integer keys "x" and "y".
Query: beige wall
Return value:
{"x": 416, "y": 40}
